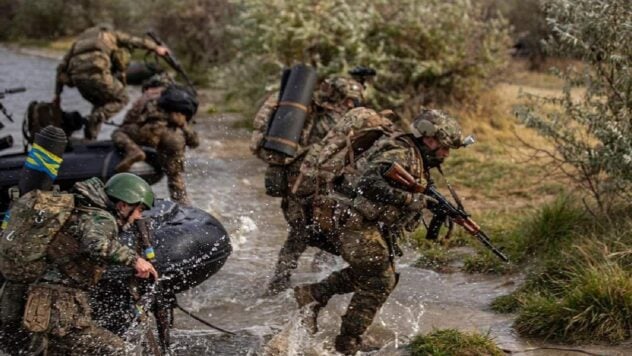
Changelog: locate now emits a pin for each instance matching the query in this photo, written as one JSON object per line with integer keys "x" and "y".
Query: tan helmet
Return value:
{"x": 335, "y": 90}
{"x": 438, "y": 124}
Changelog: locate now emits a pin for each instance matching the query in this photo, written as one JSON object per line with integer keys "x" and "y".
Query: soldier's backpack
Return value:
{"x": 35, "y": 220}
{"x": 338, "y": 152}
{"x": 41, "y": 114}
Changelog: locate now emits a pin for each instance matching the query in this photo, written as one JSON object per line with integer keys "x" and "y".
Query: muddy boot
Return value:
{"x": 349, "y": 345}
{"x": 306, "y": 299}
{"x": 132, "y": 156}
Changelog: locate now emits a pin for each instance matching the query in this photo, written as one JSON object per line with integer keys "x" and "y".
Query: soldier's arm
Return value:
{"x": 99, "y": 239}
{"x": 190, "y": 136}
{"x": 126, "y": 40}
{"x": 375, "y": 187}
{"x": 62, "y": 75}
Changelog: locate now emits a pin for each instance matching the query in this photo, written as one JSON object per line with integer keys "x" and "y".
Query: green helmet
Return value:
{"x": 130, "y": 188}
{"x": 438, "y": 124}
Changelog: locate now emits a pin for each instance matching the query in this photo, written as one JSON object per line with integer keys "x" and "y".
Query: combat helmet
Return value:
{"x": 130, "y": 188}
{"x": 438, "y": 124}
{"x": 337, "y": 89}
{"x": 177, "y": 98}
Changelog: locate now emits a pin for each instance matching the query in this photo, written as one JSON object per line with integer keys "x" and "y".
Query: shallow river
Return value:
{"x": 225, "y": 180}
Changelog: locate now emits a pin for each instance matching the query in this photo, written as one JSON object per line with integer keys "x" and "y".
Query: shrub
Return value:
{"x": 424, "y": 51}
{"x": 590, "y": 129}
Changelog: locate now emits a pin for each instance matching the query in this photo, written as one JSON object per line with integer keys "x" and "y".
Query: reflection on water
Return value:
{"x": 225, "y": 180}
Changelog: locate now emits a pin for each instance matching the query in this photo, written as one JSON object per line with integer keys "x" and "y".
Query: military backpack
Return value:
{"x": 34, "y": 222}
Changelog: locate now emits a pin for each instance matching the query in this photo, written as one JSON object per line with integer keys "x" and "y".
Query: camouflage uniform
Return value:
{"x": 148, "y": 125}
{"x": 85, "y": 245}
{"x": 327, "y": 108}
{"x": 369, "y": 222}
{"x": 96, "y": 65}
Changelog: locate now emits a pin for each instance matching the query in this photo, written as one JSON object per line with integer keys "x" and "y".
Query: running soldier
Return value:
{"x": 96, "y": 65}
{"x": 164, "y": 124}
{"x": 334, "y": 97}
{"x": 369, "y": 219}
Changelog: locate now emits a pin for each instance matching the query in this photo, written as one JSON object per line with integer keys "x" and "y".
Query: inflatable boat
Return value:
{"x": 81, "y": 161}
{"x": 190, "y": 246}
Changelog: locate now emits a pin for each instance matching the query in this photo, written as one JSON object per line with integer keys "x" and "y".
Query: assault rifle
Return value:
{"x": 442, "y": 209}
{"x": 171, "y": 60}
{"x": 7, "y": 141}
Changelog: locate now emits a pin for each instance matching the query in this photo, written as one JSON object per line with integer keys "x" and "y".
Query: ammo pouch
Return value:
{"x": 368, "y": 209}
{"x": 323, "y": 213}
{"x": 276, "y": 181}
{"x": 56, "y": 309}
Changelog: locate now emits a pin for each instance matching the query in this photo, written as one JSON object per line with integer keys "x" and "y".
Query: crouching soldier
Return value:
{"x": 163, "y": 124}
{"x": 59, "y": 244}
{"x": 372, "y": 216}
{"x": 96, "y": 65}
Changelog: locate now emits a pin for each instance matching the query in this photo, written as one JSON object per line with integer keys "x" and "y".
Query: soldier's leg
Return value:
{"x": 107, "y": 95}
{"x": 293, "y": 247}
{"x": 123, "y": 141}
{"x": 171, "y": 150}
{"x": 91, "y": 340}
{"x": 373, "y": 280}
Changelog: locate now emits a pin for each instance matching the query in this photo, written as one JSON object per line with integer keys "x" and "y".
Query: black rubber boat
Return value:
{"x": 190, "y": 245}
{"x": 81, "y": 161}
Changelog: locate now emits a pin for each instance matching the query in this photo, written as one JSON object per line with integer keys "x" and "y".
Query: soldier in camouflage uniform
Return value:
{"x": 161, "y": 121}
{"x": 371, "y": 219}
{"x": 334, "y": 98}
{"x": 96, "y": 65}
{"x": 87, "y": 243}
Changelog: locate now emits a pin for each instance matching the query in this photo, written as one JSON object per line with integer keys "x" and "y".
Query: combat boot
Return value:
{"x": 133, "y": 155}
{"x": 305, "y": 298}
{"x": 349, "y": 345}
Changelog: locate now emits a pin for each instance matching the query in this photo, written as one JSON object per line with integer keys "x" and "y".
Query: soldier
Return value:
{"x": 161, "y": 123}
{"x": 96, "y": 65}
{"x": 334, "y": 98}
{"x": 371, "y": 218}
{"x": 57, "y": 311}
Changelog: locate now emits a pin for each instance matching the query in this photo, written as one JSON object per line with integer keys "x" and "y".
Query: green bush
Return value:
{"x": 589, "y": 123}
{"x": 451, "y": 342}
{"x": 424, "y": 51}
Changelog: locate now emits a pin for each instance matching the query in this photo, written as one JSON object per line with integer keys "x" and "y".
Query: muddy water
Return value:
{"x": 226, "y": 181}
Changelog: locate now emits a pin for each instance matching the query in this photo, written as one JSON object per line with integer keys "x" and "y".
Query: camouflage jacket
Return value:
{"x": 98, "y": 51}
{"x": 378, "y": 198}
{"x": 145, "y": 111}
{"x": 93, "y": 232}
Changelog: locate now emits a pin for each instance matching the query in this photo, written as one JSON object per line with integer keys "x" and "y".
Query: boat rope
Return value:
{"x": 195, "y": 317}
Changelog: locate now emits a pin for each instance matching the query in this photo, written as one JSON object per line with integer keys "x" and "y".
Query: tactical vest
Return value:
{"x": 35, "y": 237}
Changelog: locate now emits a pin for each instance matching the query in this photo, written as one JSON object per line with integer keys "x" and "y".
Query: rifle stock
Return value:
{"x": 442, "y": 209}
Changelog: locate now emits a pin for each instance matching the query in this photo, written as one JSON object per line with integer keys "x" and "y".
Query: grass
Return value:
{"x": 451, "y": 342}
{"x": 580, "y": 289}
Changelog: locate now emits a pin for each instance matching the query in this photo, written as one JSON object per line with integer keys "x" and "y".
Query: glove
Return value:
{"x": 420, "y": 201}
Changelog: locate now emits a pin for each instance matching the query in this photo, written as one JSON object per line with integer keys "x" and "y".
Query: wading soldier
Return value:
{"x": 370, "y": 219}
{"x": 334, "y": 97}
{"x": 96, "y": 65}
{"x": 163, "y": 124}
{"x": 61, "y": 243}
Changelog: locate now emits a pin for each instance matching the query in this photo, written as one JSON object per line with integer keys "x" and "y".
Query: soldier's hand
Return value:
{"x": 420, "y": 201}
{"x": 162, "y": 51}
{"x": 144, "y": 269}
{"x": 57, "y": 100}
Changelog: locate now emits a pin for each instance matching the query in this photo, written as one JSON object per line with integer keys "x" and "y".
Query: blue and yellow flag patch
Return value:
{"x": 42, "y": 160}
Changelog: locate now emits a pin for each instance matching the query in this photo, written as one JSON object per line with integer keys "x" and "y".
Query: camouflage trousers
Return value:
{"x": 14, "y": 339}
{"x": 106, "y": 94}
{"x": 370, "y": 275}
{"x": 170, "y": 143}
{"x": 300, "y": 236}
{"x": 70, "y": 329}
